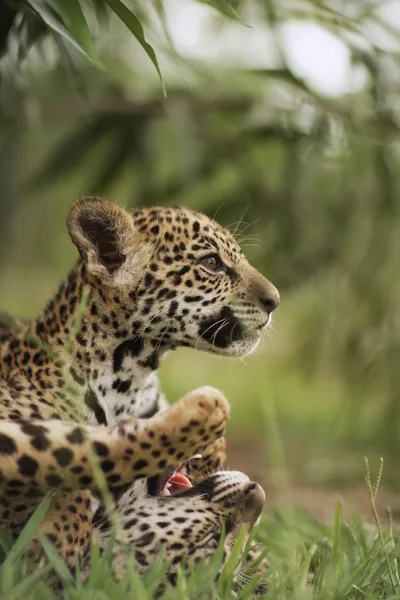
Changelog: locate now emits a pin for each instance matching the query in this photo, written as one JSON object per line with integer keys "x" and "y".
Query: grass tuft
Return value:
{"x": 349, "y": 561}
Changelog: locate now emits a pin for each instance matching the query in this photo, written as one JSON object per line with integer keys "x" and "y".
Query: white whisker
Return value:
{"x": 205, "y": 331}
{"x": 217, "y": 211}
{"x": 241, "y": 220}
{"x": 226, "y": 321}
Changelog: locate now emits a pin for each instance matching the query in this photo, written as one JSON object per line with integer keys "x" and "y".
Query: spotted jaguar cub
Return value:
{"x": 78, "y": 385}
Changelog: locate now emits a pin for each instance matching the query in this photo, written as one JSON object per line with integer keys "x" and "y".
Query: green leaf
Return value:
{"x": 72, "y": 15}
{"x": 54, "y": 22}
{"x": 135, "y": 26}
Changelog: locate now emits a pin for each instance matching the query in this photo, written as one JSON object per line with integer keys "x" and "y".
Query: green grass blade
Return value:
{"x": 232, "y": 563}
{"x": 25, "y": 587}
{"x": 136, "y": 580}
{"x": 336, "y": 537}
{"x": 249, "y": 589}
{"x": 55, "y": 560}
{"x": 26, "y": 535}
{"x": 80, "y": 312}
{"x": 6, "y": 543}
{"x": 155, "y": 575}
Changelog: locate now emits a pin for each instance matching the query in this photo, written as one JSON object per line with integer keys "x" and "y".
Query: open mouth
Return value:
{"x": 177, "y": 482}
{"x": 172, "y": 481}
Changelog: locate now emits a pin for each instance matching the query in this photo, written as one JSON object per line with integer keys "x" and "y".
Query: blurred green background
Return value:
{"x": 281, "y": 119}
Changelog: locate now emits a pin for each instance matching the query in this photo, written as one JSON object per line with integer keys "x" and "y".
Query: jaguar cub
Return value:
{"x": 79, "y": 385}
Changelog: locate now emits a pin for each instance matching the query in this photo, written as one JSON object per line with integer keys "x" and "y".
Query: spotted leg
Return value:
{"x": 55, "y": 455}
{"x": 38, "y": 456}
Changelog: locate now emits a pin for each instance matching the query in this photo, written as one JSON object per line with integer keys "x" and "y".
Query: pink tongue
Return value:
{"x": 179, "y": 483}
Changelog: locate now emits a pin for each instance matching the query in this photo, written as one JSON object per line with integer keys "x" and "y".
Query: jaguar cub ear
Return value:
{"x": 103, "y": 233}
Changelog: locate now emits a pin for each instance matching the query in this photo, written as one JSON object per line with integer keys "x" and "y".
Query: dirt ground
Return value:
{"x": 320, "y": 498}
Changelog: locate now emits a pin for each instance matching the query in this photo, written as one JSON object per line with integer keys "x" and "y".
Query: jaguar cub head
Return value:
{"x": 188, "y": 525}
{"x": 180, "y": 278}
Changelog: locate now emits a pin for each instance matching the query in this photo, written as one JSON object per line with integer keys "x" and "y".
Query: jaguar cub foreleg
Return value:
{"x": 55, "y": 455}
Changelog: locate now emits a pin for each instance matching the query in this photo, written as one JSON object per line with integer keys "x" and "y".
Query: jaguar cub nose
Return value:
{"x": 267, "y": 295}
{"x": 270, "y": 300}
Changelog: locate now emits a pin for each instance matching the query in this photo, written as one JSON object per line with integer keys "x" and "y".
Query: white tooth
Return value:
{"x": 165, "y": 490}
{"x": 197, "y": 456}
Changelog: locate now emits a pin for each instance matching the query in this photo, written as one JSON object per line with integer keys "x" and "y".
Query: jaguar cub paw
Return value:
{"x": 206, "y": 411}
{"x": 207, "y": 404}
{"x": 198, "y": 419}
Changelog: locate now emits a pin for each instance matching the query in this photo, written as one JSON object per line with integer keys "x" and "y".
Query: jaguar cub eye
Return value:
{"x": 212, "y": 263}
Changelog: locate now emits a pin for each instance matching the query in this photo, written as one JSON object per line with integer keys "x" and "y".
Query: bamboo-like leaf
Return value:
{"x": 126, "y": 146}
{"x": 33, "y": 30}
{"x": 159, "y": 7}
{"x": 74, "y": 19}
{"x": 8, "y": 14}
{"x": 72, "y": 150}
{"x": 285, "y": 74}
{"x": 135, "y": 27}
{"x": 225, "y": 7}
{"x": 100, "y": 10}
{"x": 54, "y": 22}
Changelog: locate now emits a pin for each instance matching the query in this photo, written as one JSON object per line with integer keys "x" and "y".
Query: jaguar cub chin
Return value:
{"x": 79, "y": 383}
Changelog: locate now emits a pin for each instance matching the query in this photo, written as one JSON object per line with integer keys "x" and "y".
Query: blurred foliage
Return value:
{"x": 310, "y": 182}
